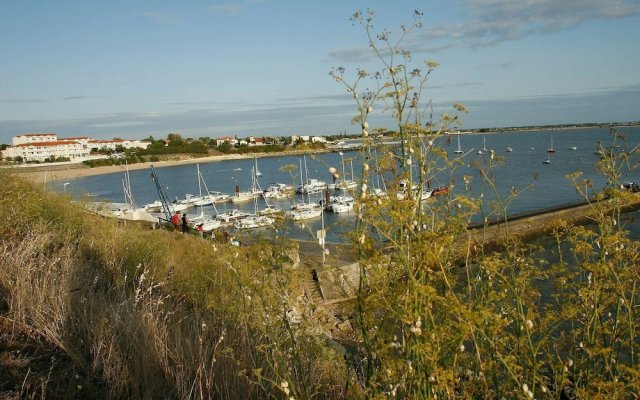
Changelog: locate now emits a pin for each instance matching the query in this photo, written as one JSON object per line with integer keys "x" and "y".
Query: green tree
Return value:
{"x": 175, "y": 140}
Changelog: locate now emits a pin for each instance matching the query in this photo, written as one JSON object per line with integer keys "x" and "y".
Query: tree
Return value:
{"x": 175, "y": 140}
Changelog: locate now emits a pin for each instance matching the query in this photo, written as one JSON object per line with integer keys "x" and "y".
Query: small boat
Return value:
{"x": 154, "y": 207}
{"x": 547, "y": 161}
{"x": 440, "y": 190}
{"x": 551, "y": 149}
{"x": 342, "y": 184}
{"x": 253, "y": 193}
{"x": 278, "y": 191}
{"x": 573, "y": 148}
{"x": 257, "y": 171}
{"x": 484, "y": 147}
{"x": 509, "y": 150}
{"x": 270, "y": 210}
{"x": 231, "y": 215}
{"x": 632, "y": 187}
{"x": 339, "y": 204}
{"x": 253, "y": 222}
{"x": 302, "y": 214}
{"x": 208, "y": 222}
{"x": 312, "y": 186}
{"x": 459, "y": 149}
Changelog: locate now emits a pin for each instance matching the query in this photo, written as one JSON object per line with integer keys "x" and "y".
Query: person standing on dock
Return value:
{"x": 185, "y": 223}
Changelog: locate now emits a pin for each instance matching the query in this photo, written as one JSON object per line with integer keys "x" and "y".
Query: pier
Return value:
{"x": 337, "y": 281}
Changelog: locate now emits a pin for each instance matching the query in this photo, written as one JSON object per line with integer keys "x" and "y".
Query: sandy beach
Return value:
{"x": 38, "y": 173}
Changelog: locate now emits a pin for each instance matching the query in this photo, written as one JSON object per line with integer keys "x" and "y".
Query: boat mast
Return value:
{"x": 166, "y": 205}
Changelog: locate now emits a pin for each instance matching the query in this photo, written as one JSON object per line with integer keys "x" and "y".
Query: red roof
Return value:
{"x": 45, "y": 144}
{"x": 75, "y": 138}
{"x": 37, "y": 134}
{"x": 106, "y": 141}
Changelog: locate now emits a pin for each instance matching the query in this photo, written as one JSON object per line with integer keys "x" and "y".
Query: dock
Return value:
{"x": 337, "y": 281}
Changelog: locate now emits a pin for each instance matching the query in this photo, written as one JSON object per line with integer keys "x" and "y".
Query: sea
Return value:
{"x": 540, "y": 177}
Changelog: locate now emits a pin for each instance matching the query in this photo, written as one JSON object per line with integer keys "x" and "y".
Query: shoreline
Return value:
{"x": 36, "y": 174}
{"x": 73, "y": 171}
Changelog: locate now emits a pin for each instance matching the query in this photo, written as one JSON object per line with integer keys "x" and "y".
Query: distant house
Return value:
{"x": 113, "y": 144}
{"x": 294, "y": 138}
{"x": 305, "y": 138}
{"x": 226, "y": 139}
{"x": 318, "y": 139}
{"x": 255, "y": 141}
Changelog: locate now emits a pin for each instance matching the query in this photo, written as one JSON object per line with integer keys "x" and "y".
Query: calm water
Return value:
{"x": 546, "y": 184}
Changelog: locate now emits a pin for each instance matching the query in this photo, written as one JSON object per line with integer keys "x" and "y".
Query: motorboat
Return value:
{"x": 231, "y": 215}
{"x": 302, "y": 214}
{"x": 270, "y": 210}
{"x": 312, "y": 186}
{"x": 253, "y": 221}
{"x": 278, "y": 191}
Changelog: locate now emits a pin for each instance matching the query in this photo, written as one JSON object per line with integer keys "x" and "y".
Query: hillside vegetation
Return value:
{"x": 94, "y": 309}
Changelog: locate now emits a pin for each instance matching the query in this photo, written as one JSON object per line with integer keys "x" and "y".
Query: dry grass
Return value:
{"x": 129, "y": 313}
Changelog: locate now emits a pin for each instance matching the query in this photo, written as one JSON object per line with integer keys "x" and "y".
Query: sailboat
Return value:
{"x": 208, "y": 222}
{"x": 257, "y": 171}
{"x": 251, "y": 194}
{"x": 551, "y": 149}
{"x": 484, "y": 146}
{"x": 342, "y": 183}
{"x": 304, "y": 210}
{"x": 459, "y": 150}
{"x": 547, "y": 161}
{"x": 129, "y": 210}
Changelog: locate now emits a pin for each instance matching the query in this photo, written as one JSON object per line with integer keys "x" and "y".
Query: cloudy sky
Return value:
{"x": 131, "y": 69}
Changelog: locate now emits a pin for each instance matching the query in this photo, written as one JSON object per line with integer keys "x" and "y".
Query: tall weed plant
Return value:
{"x": 442, "y": 315}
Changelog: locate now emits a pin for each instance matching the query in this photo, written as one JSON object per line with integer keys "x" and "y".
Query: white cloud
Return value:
{"x": 494, "y": 21}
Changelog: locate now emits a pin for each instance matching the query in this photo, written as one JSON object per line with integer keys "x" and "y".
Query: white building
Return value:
{"x": 45, "y": 146}
{"x": 318, "y": 139}
{"x": 113, "y": 144}
{"x": 34, "y": 138}
{"x": 42, "y": 151}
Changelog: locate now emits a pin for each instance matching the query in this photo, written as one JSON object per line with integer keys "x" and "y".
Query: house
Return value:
{"x": 318, "y": 139}
{"x": 113, "y": 144}
{"x": 228, "y": 139}
{"x": 254, "y": 141}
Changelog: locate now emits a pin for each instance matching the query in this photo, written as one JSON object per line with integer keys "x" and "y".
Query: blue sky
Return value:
{"x": 260, "y": 67}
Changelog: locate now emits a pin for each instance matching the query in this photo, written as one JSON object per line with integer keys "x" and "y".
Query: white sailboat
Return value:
{"x": 129, "y": 211}
{"x": 257, "y": 171}
{"x": 484, "y": 146}
{"x": 459, "y": 149}
{"x": 208, "y": 222}
{"x": 342, "y": 183}
{"x": 312, "y": 185}
{"x": 304, "y": 210}
{"x": 251, "y": 194}
{"x": 551, "y": 149}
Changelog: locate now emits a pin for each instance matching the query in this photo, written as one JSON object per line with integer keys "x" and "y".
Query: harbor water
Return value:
{"x": 525, "y": 168}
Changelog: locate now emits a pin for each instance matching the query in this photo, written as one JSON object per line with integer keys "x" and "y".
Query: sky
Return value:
{"x": 133, "y": 68}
